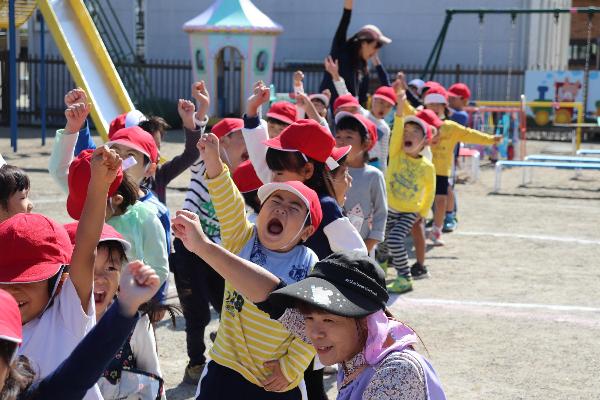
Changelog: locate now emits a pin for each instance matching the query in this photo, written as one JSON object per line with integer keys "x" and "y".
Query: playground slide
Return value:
{"x": 87, "y": 59}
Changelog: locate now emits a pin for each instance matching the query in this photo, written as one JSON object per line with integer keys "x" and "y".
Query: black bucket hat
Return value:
{"x": 349, "y": 284}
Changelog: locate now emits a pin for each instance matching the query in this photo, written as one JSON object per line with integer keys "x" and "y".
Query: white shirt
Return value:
{"x": 50, "y": 338}
{"x": 143, "y": 346}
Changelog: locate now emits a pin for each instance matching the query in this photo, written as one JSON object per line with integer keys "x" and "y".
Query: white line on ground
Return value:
{"x": 531, "y": 237}
{"x": 489, "y": 304}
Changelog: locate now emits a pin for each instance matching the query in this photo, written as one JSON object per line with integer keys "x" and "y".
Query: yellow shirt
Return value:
{"x": 410, "y": 182}
{"x": 450, "y": 134}
{"x": 248, "y": 338}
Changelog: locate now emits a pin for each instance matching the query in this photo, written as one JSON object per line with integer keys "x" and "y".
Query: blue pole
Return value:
{"x": 43, "y": 77}
{"x": 12, "y": 62}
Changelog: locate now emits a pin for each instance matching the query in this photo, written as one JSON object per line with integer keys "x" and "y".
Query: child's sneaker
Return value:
{"x": 450, "y": 223}
{"x": 402, "y": 284}
{"x": 419, "y": 271}
{"x": 384, "y": 266}
{"x": 436, "y": 236}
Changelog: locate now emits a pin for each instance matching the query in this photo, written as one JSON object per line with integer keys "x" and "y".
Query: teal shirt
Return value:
{"x": 142, "y": 229}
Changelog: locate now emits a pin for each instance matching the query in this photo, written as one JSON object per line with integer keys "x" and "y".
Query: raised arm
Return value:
{"x": 178, "y": 164}
{"x": 333, "y": 68}
{"x": 105, "y": 164}
{"x": 342, "y": 30}
{"x": 65, "y": 143}
{"x": 397, "y": 139}
{"x": 251, "y": 280}
{"x": 255, "y": 132}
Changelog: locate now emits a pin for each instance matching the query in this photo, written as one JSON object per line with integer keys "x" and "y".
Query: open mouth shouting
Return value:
{"x": 99, "y": 296}
{"x": 274, "y": 226}
{"x": 408, "y": 144}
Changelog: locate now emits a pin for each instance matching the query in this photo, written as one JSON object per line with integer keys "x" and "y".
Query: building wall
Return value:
{"x": 579, "y": 22}
{"x": 309, "y": 26}
{"x": 549, "y": 38}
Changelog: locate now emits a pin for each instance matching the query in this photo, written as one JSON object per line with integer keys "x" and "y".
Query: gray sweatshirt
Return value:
{"x": 366, "y": 202}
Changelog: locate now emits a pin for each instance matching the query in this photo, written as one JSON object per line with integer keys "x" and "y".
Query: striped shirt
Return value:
{"x": 197, "y": 200}
{"x": 248, "y": 337}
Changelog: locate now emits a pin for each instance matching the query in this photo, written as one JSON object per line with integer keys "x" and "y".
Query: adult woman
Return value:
{"x": 352, "y": 54}
{"x": 340, "y": 309}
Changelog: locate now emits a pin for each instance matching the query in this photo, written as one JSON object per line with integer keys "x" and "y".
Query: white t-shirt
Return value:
{"x": 143, "y": 346}
{"x": 49, "y": 339}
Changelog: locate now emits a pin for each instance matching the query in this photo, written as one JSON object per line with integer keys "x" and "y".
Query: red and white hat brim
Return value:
{"x": 265, "y": 191}
{"x": 424, "y": 125}
{"x": 435, "y": 98}
{"x": 130, "y": 145}
{"x": 126, "y": 245}
{"x": 280, "y": 117}
{"x": 384, "y": 98}
{"x": 347, "y": 114}
{"x": 320, "y": 97}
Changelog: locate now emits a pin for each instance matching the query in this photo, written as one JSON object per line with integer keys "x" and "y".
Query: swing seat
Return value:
{"x": 527, "y": 176}
{"x": 474, "y": 156}
{"x": 583, "y": 152}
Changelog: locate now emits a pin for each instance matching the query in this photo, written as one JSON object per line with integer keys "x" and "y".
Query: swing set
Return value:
{"x": 508, "y": 117}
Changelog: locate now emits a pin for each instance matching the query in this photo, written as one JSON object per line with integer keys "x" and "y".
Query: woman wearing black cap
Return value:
{"x": 353, "y": 54}
{"x": 340, "y": 308}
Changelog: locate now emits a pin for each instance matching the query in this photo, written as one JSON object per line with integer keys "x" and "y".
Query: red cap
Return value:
{"x": 340, "y": 152}
{"x": 386, "y": 93}
{"x": 38, "y": 247}
{"x": 308, "y": 196}
{"x": 80, "y": 173}
{"x": 108, "y": 234}
{"x": 430, "y": 117}
{"x": 436, "y": 95}
{"x": 424, "y": 125}
{"x": 345, "y": 100}
{"x": 283, "y": 111}
{"x": 430, "y": 84}
{"x": 125, "y": 120}
{"x": 11, "y": 328}
{"x": 459, "y": 90}
{"x": 306, "y": 136}
{"x": 365, "y": 122}
{"x": 137, "y": 139}
{"x": 245, "y": 177}
{"x": 227, "y": 125}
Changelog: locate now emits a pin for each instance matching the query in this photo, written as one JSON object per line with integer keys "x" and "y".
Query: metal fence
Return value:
{"x": 166, "y": 81}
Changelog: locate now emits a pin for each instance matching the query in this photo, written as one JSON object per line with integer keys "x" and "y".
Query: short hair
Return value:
{"x": 12, "y": 179}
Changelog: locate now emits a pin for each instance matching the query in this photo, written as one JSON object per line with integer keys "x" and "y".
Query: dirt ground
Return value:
{"x": 512, "y": 307}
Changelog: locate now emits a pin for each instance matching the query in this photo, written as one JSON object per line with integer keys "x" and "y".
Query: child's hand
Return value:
{"x": 298, "y": 78}
{"x": 277, "y": 381}
{"x": 327, "y": 93}
{"x": 105, "y": 165}
{"x": 200, "y": 93}
{"x": 75, "y": 96}
{"x": 76, "y": 115}
{"x": 260, "y": 96}
{"x": 186, "y": 110}
{"x": 333, "y": 68}
{"x": 186, "y": 227}
{"x": 303, "y": 101}
{"x": 139, "y": 283}
{"x": 400, "y": 81}
{"x": 498, "y": 139}
{"x": 209, "y": 151}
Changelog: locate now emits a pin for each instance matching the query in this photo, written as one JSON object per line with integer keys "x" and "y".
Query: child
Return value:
{"x": 135, "y": 371}
{"x": 85, "y": 364}
{"x": 198, "y": 286}
{"x": 301, "y": 152}
{"x": 14, "y": 192}
{"x": 340, "y": 308}
{"x": 410, "y": 183}
{"x": 56, "y": 310}
{"x": 281, "y": 115}
{"x": 244, "y": 363}
{"x": 458, "y": 98}
{"x": 342, "y": 181}
{"x": 133, "y": 219}
{"x": 450, "y": 133}
{"x": 247, "y": 182}
{"x": 366, "y": 203}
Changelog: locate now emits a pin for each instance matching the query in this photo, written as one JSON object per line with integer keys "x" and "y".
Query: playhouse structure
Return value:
{"x": 234, "y": 38}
